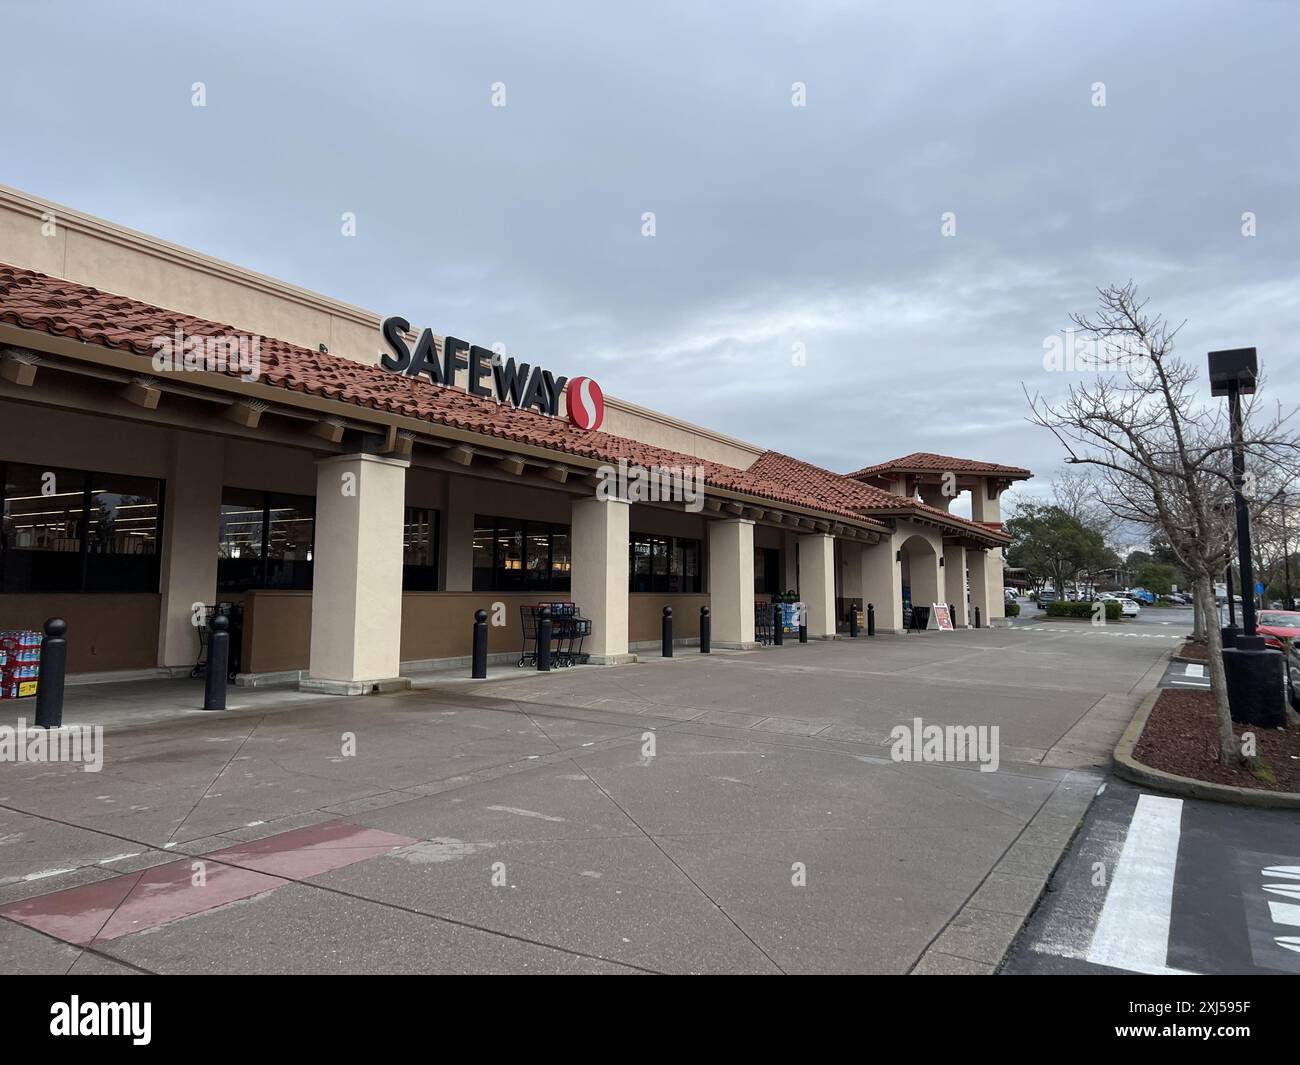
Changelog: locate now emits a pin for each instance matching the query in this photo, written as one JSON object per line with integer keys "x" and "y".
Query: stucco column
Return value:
{"x": 986, "y": 508}
{"x": 789, "y": 563}
{"x": 189, "y": 549}
{"x": 882, "y": 584}
{"x": 458, "y": 535}
{"x": 851, "y": 569}
{"x": 817, "y": 583}
{"x": 924, "y": 575}
{"x": 977, "y": 564}
{"x": 954, "y": 582}
{"x": 599, "y": 575}
{"x": 934, "y": 496}
{"x": 356, "y": 606}
{"x": 731, "y": 582}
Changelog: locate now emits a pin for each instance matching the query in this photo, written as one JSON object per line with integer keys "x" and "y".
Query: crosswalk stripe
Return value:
{"x": 1133, "y": 930}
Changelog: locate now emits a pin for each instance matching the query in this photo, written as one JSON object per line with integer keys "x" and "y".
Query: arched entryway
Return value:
{"x": 920, "y": 562}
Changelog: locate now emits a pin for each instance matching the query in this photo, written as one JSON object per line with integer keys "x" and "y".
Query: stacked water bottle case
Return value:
{"x": 20, "y": 663}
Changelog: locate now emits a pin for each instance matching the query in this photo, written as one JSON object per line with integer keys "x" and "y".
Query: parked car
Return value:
{"x": 1129, "y": 608}
{"x": 1046, "y": 596}
{"x": 1274, "y": 625}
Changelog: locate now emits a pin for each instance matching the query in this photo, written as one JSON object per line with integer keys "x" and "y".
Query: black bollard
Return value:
{"x": 479, "y": 668}
{"x": 778, "y": 629}
{"x": 853, "y": 622}
{"x": 871, "y": 619}
{"x": 977, "y": 617}
{"x": 666, "y": 633}
{"x": 214, "y": 684}
{"x": 544, "y": 640}
{"x": 706, "y": 631}
{"x": 49, "y": 678}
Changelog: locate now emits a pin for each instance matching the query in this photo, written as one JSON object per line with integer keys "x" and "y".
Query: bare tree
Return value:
{"x": 1161, "y": 455}
{"x": 1076, "y": 492}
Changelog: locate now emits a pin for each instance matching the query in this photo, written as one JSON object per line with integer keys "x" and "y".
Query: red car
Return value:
{"x": 1274, "y": 625}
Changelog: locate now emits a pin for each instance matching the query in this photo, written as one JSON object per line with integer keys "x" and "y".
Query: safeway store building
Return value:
{"x": 177, "y": 431}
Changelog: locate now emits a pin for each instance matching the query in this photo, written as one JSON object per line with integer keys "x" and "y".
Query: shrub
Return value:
{"x": 1013, "y": 610}
{"x": 1081, "y": 610}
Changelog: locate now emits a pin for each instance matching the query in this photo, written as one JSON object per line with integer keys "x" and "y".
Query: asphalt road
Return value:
{"x": 1153, "y": 884}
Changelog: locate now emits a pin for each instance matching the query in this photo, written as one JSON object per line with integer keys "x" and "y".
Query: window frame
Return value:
{"x": 656, "y": 547}
{"x": 152, "y": 586}
{"x": 268, "y": 497}
{"x": 410, "y": 571}
{"x": 523, "y": 528}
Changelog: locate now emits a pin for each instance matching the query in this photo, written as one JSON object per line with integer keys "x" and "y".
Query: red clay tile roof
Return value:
{"x": 927, "y": 462}
{"x": 781, "y": 469}
{"x": 63, "y": 308}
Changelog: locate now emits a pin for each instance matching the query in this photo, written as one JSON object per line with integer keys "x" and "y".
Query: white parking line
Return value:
{"x": 1133, "y": 930}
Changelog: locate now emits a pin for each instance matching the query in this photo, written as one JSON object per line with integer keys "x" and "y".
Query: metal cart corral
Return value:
{"x": 568, "y": 631}
{"x": 234, "y": 613}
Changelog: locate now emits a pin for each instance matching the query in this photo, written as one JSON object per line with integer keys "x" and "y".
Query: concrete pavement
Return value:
{"x": 739, "y": 812}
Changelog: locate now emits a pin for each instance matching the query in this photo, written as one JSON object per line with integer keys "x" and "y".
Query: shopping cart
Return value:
{"x": 234, "y": 613}
{"x": 569, "y": 629}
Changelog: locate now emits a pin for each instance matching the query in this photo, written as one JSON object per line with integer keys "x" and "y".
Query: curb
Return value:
{"x": 1129, "y": 768}
{"x": 975, "y": 941}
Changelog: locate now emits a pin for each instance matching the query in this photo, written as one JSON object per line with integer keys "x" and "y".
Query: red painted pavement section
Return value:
{"x": 136, "y": 901}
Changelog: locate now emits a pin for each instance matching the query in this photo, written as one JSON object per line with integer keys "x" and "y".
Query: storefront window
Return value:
{"x": 767, "y": 570}
{"x": 264, "y": 541}
{"x": 511, "y": 555}
{"x": 420, "y": 551}
{"x": 290, "y": 533}
{"x": 122, "y": 533}
{"x": 663, "y": 564}
{"x": 73, "y": 531}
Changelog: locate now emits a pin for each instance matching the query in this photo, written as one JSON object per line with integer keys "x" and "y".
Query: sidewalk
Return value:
{"x": 736, "y": 813}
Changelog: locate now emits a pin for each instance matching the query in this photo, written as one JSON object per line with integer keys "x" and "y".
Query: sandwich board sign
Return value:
{"x": 940, "y": 618}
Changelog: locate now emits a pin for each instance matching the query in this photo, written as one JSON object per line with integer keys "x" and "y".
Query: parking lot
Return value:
{"x": 737, "y": 812}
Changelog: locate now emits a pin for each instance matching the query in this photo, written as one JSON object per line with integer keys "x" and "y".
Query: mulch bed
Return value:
{"x": 1182, "y": 737}
{"x": 1195, "y": 651}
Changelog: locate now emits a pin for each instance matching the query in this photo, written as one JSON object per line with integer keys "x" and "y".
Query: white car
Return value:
{"x": 1129, "y": 608}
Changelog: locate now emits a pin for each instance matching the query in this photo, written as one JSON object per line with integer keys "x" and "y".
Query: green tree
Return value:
{"x": 1156, "y": 578}
{"x": 1051, "y": 544}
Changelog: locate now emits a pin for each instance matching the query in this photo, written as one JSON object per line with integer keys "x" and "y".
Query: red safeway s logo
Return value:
{"x": 585, "y": 403}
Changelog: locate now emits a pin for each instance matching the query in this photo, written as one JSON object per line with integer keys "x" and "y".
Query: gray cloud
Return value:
{"x": 777, "y": 225}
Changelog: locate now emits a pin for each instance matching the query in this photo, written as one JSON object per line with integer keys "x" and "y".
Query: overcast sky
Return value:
{"x": 775, "y": 225}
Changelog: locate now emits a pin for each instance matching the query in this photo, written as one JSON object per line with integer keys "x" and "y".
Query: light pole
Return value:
{"x": 1232, "y": 374}
{"x": 1254, "y": 674}
{"x": 1287, "y": 601}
